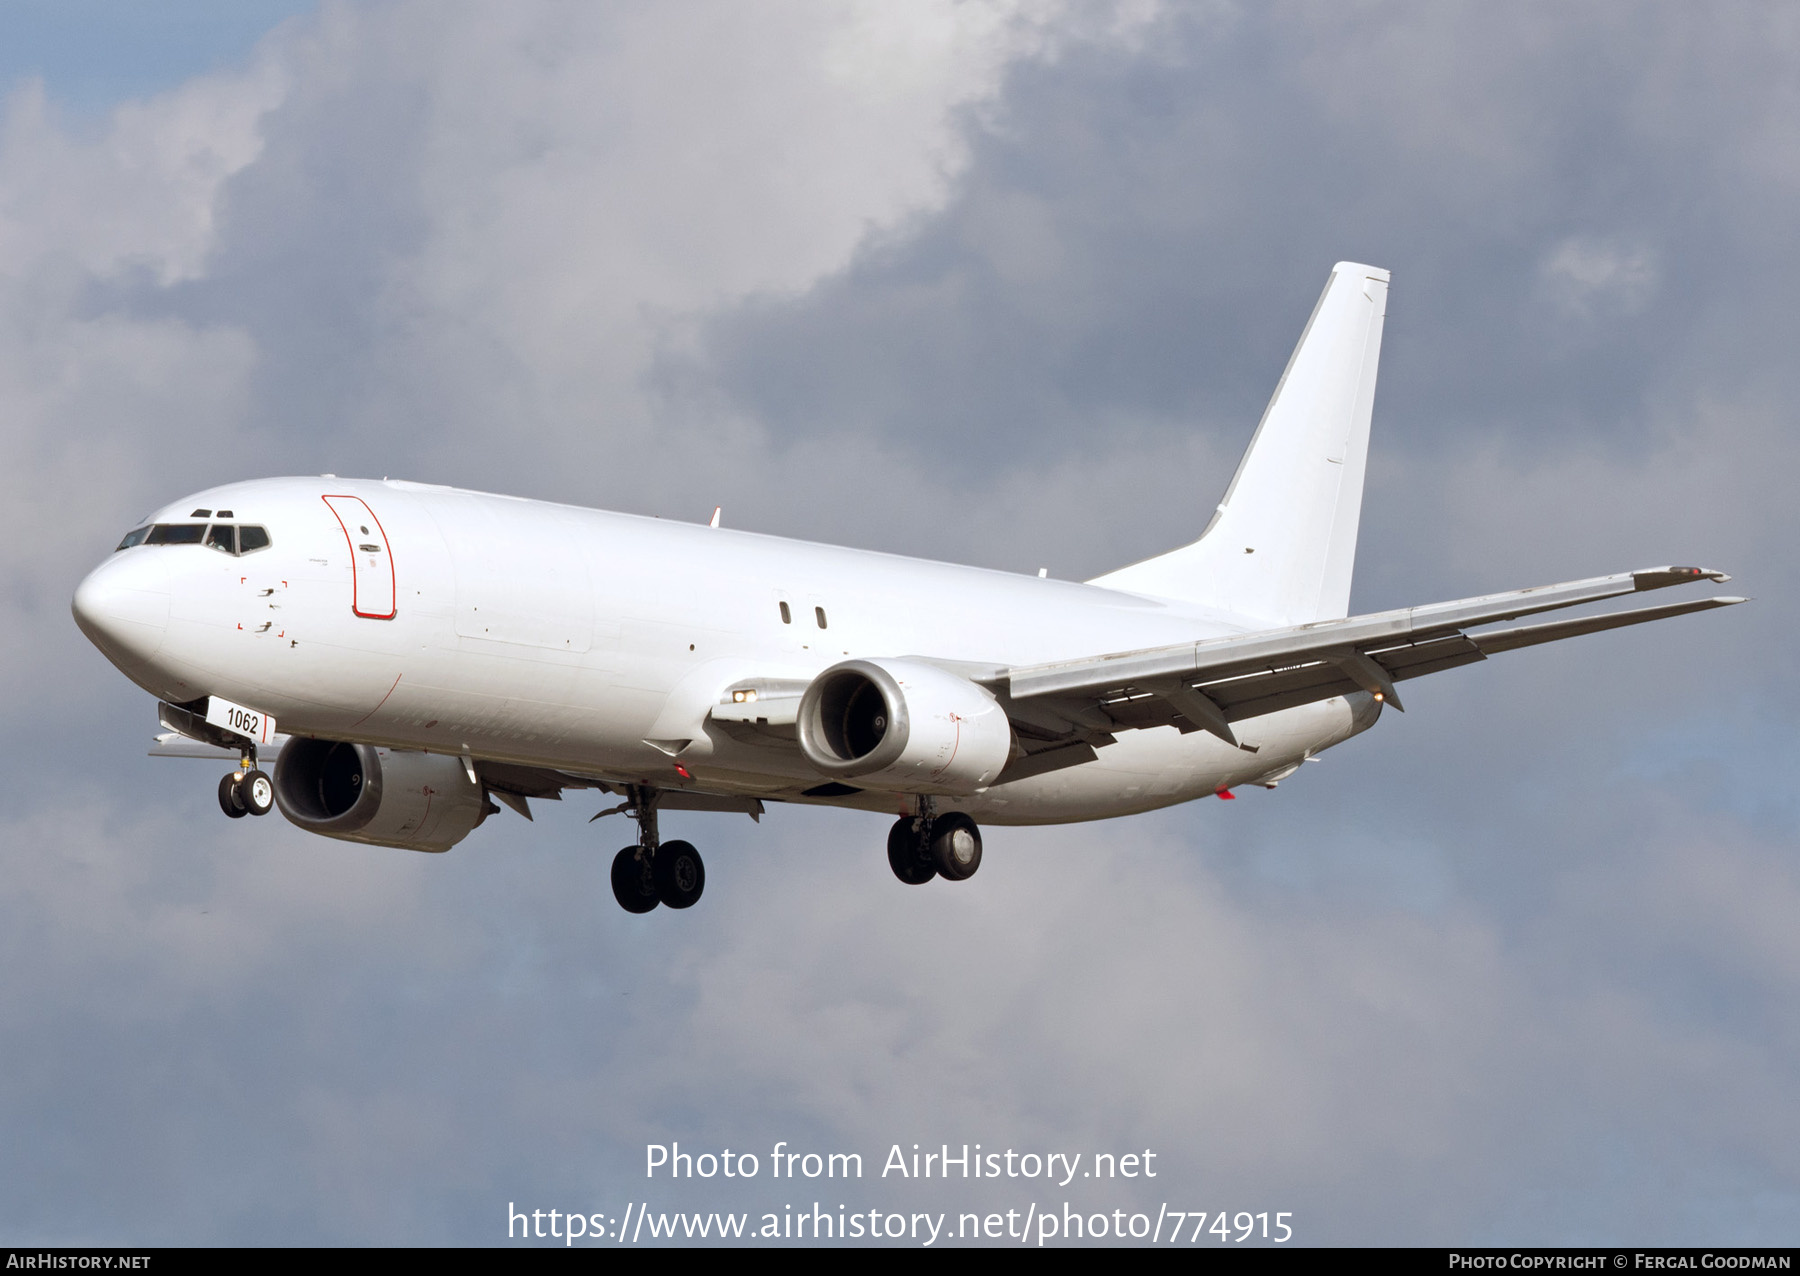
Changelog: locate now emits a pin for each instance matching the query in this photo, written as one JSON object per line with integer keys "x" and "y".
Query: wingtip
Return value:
{"x": 1662, "y": 577}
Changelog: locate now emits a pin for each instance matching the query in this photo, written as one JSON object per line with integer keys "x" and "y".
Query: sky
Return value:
{"x": 1001, "y": 282}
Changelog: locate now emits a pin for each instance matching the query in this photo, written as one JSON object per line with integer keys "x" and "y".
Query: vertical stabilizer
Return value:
{"x": 1281, "y": 546}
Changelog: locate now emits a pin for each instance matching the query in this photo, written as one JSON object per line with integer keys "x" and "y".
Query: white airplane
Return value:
{"x": 412, "y": 654}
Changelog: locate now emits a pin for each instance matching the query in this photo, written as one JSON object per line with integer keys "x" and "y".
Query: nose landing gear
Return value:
{"x": 654, "y": 872}
{"x": 246, "y": 791}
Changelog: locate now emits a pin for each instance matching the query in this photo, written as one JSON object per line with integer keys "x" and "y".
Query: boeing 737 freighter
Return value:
{"x": 411, "y": 655}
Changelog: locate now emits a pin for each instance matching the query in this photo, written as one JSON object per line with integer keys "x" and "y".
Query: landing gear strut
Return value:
{"x": 924, "y": 846}
{"x": 653, "y": 871}
{"x": 246, "y": 791}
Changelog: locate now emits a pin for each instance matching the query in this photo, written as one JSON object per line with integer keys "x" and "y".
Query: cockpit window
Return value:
{"x": 220, "y": 536}
{"x": 176, "y": 534}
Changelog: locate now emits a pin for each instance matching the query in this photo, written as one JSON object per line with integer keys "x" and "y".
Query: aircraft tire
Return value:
{"x": 633, "y": 886}
{"x": 680, "y": 874}
{"x": 257, "y": 792}
{"x": 955, "y": 846}
{"x": 907, "y": 854}
{"x": 231, "y": 801}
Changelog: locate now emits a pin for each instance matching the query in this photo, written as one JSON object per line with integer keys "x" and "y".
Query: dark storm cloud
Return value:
{"x": 1573, "y": 206}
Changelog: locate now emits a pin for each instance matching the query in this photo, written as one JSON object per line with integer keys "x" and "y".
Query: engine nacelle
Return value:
{"x": 903, "y": 725}
{"x": 386, "y": 797}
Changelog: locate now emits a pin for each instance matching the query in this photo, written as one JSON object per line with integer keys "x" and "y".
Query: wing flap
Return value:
{"x": 1253, "y": 695}
{"x": 1416, "y": 659}
{"x": 531, "y": 781}
{"x": 1046, "y": 761}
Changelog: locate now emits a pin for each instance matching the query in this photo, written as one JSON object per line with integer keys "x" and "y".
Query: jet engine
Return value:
{"x": 903, "y": 725}
{"x": 385, "y": 797}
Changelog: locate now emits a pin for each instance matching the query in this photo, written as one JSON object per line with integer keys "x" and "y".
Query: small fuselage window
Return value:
{"x": 224, "y": 537}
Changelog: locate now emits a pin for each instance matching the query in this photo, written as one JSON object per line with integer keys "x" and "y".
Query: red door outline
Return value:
{"x": 372, "y": 575}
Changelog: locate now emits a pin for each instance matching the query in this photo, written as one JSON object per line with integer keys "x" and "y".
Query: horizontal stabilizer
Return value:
{"x": 1498, "y": 640}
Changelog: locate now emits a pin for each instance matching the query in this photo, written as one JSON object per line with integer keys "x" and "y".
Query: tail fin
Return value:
{"x": 1282, "y": 544}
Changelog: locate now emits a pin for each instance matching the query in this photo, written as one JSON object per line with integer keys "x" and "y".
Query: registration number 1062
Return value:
{"x": 238, "y": 720}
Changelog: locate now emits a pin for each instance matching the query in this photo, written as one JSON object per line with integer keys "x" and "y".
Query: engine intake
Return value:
{"x": 383, "y": 797}
{"x": 903, "y": 725}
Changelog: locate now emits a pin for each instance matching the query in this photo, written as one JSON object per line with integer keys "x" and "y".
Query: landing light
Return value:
{"x": 743, "y": 697}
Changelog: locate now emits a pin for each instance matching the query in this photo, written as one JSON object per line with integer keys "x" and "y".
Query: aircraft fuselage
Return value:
{"x": 408, "y": 616}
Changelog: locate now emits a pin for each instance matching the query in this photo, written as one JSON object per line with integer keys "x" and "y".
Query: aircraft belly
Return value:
{"x": 1157, "y": 767}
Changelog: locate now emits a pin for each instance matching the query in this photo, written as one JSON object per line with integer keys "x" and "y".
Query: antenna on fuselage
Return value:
{"x": 717, "y": 510}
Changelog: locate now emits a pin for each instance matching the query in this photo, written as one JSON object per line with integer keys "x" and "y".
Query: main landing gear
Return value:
{"x": 924, "y": 846}
{"x": 655, "y": 872}
{"x": 246, "y": 791}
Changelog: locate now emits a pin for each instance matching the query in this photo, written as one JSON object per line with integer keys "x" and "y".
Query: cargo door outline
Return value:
{"x": 372, "y": 573}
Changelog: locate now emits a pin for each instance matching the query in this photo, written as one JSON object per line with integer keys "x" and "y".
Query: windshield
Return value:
{"x": 227, "y": 538}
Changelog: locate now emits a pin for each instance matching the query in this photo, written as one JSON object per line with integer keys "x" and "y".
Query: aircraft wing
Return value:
{"x": 1210, "y": 684}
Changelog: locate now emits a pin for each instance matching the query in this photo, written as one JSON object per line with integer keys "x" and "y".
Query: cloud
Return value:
{"x": 140, "y": 197}
{"x": 398, "y": 237}
{"x": 1002, "y": 283}
{"x": 1582, "y": 275}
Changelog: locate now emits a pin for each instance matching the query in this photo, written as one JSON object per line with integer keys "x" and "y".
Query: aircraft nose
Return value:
{"x": 123, "y": 606}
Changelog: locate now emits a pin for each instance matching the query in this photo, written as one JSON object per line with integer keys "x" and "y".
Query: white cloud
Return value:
{"x": 140, "y": 196}
{"x": 514, "y": 209}
{"x": 1588, "y": 275}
